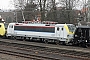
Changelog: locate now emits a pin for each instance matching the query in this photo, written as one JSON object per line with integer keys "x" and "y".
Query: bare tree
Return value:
{"x": 48, "y": 9}
{"x": 69, "y": 5}
{"x": 42, "y": 8}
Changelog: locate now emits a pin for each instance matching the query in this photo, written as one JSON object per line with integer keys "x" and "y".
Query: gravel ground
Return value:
{"x": 10, "y": 57}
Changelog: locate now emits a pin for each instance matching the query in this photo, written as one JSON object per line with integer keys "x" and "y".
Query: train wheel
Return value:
{"x": 62, "y": 43}
{"x": 8, "y": 37}
{"x": 46, "y": 41}
{"x": 23, "y": 38}
{"x": 70, "y": 44}
{"x": 41, "y": 39}
{"x": 12, "y": 38}
{"x": 86, "y": 46}
{"x": 17, "y": 38}
{"x": 57, "y": 42}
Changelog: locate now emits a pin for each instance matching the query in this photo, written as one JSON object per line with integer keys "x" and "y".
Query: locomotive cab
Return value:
{"x": 2, "y": 29}
{"x": 65, "y": 32}
{"x": 82, "y": 36}
{"x": 10, "y": 29}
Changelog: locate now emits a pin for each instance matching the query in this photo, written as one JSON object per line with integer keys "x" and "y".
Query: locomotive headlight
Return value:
{"x": 86, "y": 40}
{"x": 70, "y": 36}
{"x": 76, "y": 36}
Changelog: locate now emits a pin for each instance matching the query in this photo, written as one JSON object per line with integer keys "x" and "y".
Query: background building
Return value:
{"x": 7, "y": 16}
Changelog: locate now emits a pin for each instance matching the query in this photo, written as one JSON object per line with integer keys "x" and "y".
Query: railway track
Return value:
{"x": 22, "y": 52}
{"x": 39, "y": 53}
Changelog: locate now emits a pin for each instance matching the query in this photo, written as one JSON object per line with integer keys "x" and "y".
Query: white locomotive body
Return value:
{"x": 45, "y": 32}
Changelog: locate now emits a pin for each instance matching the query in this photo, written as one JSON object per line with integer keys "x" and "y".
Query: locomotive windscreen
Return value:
{"x": 71, "y": 28}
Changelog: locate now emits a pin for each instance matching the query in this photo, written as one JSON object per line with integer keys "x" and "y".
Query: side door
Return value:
{"x": 59, "y": 32}
{"x": 62, "y": 32}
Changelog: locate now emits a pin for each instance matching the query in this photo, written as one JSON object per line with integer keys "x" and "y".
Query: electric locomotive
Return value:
{"x": 82, "y": 36}
{"x": 59, "y": 33}
{"x": 2, "y": 29}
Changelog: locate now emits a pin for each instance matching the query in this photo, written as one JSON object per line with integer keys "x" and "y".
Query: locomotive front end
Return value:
{"x": 70, "y": 33}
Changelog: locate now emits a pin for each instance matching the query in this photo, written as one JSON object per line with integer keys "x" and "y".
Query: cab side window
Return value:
{"x": 57, "y": 28}
{"x": 11, "y": 26}
{"x": 62, "y": 29}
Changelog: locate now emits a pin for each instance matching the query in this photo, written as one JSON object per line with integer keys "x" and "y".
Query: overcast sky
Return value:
{"x": 6, "y": 4}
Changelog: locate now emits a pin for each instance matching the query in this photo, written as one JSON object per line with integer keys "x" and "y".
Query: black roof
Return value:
{"x": 83, "y": 26}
